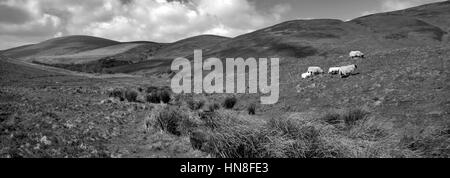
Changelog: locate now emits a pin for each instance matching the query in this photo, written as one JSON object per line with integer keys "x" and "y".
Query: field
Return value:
{"x": 83, "y": 96}
{"x": 403, "y": 113}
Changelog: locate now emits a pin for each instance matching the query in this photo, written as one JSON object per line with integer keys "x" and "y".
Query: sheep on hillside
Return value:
{"x": 334, "y": 70}
{"x": 315, "y": 70}
{"x": 356, "y": 54}
{"x": 306, "y": 75}
{"x": 346, "y": 71}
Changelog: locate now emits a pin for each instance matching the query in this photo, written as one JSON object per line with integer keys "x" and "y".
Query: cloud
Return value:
{"x": 129, "y": 20}
{"x": 364, "y": 13}
{"x": 393, "y": 5}
{"x": 13, "y": 15}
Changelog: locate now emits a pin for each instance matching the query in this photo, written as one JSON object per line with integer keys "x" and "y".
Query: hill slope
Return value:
{"x": 77, "y": 52}
{"x": 187, "y": 46}
{"x": 59, "y": 46}
{"x": 418, "y": 26}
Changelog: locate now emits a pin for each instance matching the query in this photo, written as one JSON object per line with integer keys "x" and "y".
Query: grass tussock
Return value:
{"x": 213, "y": 107}
{"x": 157, "y": 95}
{"x": 170, "y": 119}
{"x": 229, "y": 102}
{"x": 195, "y": 104}
{"x": 116, "y": 93}
{"x": 347, "y": 119}
{"x": 353, "y": 116}
{"x": 129, "y": 95}
{"x": 353, "y": 134}
{"x": 251, "y": 109}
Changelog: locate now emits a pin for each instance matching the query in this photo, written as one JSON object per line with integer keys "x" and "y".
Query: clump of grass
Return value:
{"x": 158, "y": 95}
{"x": 153, "y": 98}
{"x": 349, "y": 118}
{"x": 251, "y": 109}
{"x": 198, "y": 139}
{"x": 151, "y": 89}
{"x": 304, "y": 140}
{"x": 170, "y": 119}
{"x": 332, "y": 118}
{"x": 123, "y": 94}
{"x": 213, "y": 107}
{"x": 209, "y": 119}
{"x": 195, "y": 104}
{"x": 116, "y": 93}
{"x": 229, "y": 102}
{"x": 165, "y": 96}
{"x": 131, "y": 95}
{"x": 237, "y": 141}
{"x": 353, "y": 116}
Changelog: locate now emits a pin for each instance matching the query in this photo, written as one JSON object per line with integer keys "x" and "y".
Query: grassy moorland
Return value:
{"x": 397, "y": 103}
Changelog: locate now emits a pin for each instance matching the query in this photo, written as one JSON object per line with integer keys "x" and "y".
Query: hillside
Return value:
{"x": 436, "y": 14}
{"x": 59, "y": 46}
{"x": 187, "y": 46}
{"x": 91, "y": 54}
{"x": 418, "y": 26}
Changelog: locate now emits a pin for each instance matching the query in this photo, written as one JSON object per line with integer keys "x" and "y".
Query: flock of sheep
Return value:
{"x": 343, "y": 71}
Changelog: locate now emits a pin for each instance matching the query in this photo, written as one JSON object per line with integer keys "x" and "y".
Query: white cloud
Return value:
{"x": 393, "y": 5}
{"x": 368, "y": 13}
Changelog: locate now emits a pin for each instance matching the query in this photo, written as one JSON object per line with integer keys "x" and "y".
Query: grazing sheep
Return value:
{"x": 306, "y": 75}
{"x": 346, "y": 71}
{"x": 315, "y": 70}
{"x": 356, "y": 54}
{"x": 334, "y": 70}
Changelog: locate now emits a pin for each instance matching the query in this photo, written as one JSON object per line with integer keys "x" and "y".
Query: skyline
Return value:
{"x": 25, "y": 22}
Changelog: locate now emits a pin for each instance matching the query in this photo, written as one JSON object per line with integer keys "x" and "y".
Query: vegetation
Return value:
{"x": 213, "y": 107}
{"x": 157, "y": 95}
{"x": 229, "y": 102}
{"x": 227, "y": 134}
{"x": 123, "y": 94}
{"x": 131, "y": 95}
{"x": 251, "y": 109}
{"x": 195, "y": 104}
{"x": 116, "y": 93}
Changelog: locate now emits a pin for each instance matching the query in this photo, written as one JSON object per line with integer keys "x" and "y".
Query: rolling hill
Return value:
{"x": 81, "y": 52}
{"x": 59, "y": 46}
{"x": 418, "y": 26}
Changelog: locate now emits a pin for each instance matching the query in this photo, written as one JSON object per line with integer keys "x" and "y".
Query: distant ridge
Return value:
{"x": 425, "y": 25}
{"x": 59, "y": 46}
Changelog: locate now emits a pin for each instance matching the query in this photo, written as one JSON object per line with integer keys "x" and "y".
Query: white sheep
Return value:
{"x": 334, "y": 70}
{"x": 356, "y": 54}
{"x": 306, "y": 75}
{"x": 346, "y": 71}
{"x": 315, "y": 70}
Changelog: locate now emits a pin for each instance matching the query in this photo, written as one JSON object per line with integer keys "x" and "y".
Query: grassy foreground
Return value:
{"x": 353, "y": 133}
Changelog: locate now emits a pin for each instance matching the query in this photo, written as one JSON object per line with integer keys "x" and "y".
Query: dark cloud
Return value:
{"x": 126, "y": 2}
{"x": 13, "y": 15}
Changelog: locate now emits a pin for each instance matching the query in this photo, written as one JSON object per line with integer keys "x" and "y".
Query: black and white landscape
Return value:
{"x": 78, "y": 95}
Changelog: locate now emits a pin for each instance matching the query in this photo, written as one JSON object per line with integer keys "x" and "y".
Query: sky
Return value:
{"x": 31, "y": 21}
